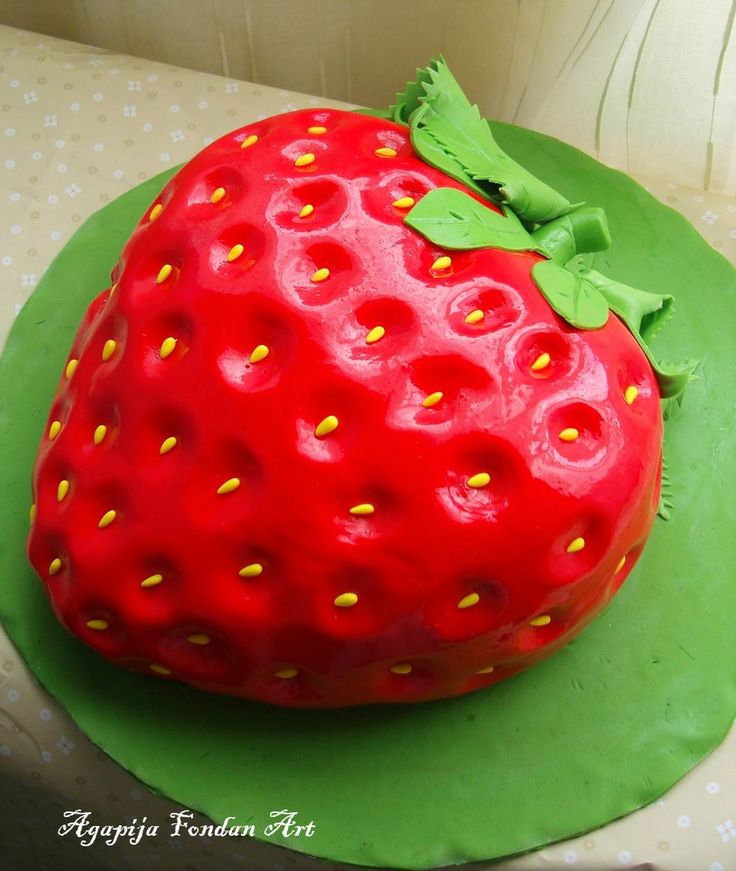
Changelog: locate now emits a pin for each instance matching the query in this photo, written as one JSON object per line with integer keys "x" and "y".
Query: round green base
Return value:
{"x": 604, "y": 727}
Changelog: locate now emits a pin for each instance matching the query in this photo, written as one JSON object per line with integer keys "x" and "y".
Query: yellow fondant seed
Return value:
{"x": 159, "y": 669}
{"x": 198, "y": 638}
{"x": 320, "y": 275}
{"x": 54, "y": 429}
{"x": 217, "y": 195}
{"x": 108, "y": 349}
{"x": 375, "y": 335}
{"x": 235, "y": 252}
{"x": 228, "y": 486}
{"x": 441, "y": 264}
{"x": 468, "y": 601}
{"x": 481, "y": 479}
{"x": 251, "y": 571}
{"x": 62, "y": 490}
{"x": 167, "y": 347}
{"x": 152, "y": 580}
{"x": 164, "y": 273}
{"x": 403, "y": 203}
{"x": 98, "y": 625}
{"x": 168, "y": 444}
{"x": 569, "y": 434}
{"x": 260, "y": 352}
{"x": 305, "y": 159}
{"x": 32, "y": 512}
{"x": 100, "y": 433}
{"x": 317, "y": 130}
{"x": 249, "y": 140}
{"x": 577, "y": 544}
{"x": 326, "y": 426}
{"x": 621, "y": 563}
{"x": 306, "y": 211}
{"x": 401, "y": 668}
{"x": 287, "y": 673}
{"x": 631, "y": 393}
{"x": 544, "y": 620}
{"x": 385, "y": 152}
{"x": 542, "y": 361}
{"x": 432, "y": 399}
{"x": 487, "y": 670}
{"x": 54, "y": 566}
{"x": 70, "y": 367}
{"x": 475, "y": 317}
{"x": 107, "y": 518}
{"x": 346, "y": 600}
{"x": 155, "y": 212}
{"x": 363, "y": 509}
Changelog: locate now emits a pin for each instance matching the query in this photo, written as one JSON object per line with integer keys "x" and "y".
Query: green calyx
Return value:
{"x": 449, "y": 133}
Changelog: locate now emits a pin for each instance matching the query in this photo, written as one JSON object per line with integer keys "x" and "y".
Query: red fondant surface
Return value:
{"x": 432, "y": 540}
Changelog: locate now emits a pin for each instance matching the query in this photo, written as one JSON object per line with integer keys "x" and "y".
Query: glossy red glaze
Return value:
{"x": 432, "y": 540}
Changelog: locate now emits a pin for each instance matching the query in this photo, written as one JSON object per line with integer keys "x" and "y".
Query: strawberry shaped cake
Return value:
{"x": 355, "y": 421}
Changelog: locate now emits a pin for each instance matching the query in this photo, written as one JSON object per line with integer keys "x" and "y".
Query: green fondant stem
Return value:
{"x": 581, "y": 231}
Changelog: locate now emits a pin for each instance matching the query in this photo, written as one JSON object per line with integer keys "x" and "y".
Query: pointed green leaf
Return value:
{"x": 644, "y": 314}
{"x": 458, "y": 129}
{"x": 571, "y": 295}
{"x": 453, "y": 219}
{"x": 427, "y": 147}
{"x": 647, "y": 312}
{"x": 672, "y": 378}
{"x": 409, "y": 99}
{"x": 664, "y": 507}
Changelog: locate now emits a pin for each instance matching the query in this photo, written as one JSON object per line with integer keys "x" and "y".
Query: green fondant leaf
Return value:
{"x": 672, "y": 378}
{"x": 453, "y": 219}
{"x": 664, "y": 508}
{"x": 458, "y": 129}
{"x": 648, "y": 312}
{"x": 407, "y": 101}
{"x": 644, "y": 314}
{"x": 432, "y": 153}
{"x": 572, "y": 296}
{"x": 672, "y": 406}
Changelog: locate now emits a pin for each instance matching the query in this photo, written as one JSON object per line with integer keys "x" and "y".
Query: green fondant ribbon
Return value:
{"x": 449, "y": 133}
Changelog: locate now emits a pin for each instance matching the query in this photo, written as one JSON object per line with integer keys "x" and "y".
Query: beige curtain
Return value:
{"x": 645, "y": 85}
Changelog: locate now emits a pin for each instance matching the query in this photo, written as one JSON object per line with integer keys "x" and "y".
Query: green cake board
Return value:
{"x": 600, "y": 729}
